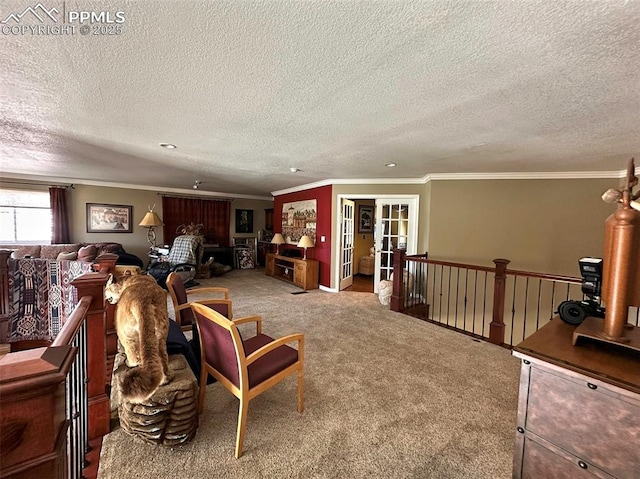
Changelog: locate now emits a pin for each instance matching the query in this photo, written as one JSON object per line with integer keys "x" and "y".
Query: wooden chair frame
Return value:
{"x": 177, "y": 307}
{"x": 243, "y": 392}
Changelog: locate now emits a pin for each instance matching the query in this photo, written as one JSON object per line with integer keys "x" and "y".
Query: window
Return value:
{"x": 25, "y": 217}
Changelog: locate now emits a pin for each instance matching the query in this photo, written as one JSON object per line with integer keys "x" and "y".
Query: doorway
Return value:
{"x": 396, "y": 227}
{"x": 361, "y": 284}
{"x": 347, "y": 244}
{"x": 355, "y": 241}
{"x": 364, "y": 250}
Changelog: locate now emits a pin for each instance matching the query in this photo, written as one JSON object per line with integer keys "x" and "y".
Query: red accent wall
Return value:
{"x": 322, "y": 251}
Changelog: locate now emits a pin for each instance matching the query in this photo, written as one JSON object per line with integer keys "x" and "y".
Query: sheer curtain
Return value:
{"x": 215, "y": 215}
{"x": 59, "y": 215}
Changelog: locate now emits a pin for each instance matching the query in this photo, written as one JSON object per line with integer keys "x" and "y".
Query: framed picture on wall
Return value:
{"x": 365, "y": 219}
{"x": 104, "y": 218}
{"x": 299, "y": 218}
{"x": 244, "y": 221}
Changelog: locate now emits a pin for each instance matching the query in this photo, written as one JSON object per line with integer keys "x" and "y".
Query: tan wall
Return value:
{"x": 540, "y": 225}
{"x": 258, "y": 208}
{"x": 134, "y": 242}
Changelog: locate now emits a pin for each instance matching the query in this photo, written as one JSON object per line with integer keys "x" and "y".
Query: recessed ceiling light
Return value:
{"x": 169, "y": 146}
{"x": 391, "y": 165}
{"x": 294, "y": 170}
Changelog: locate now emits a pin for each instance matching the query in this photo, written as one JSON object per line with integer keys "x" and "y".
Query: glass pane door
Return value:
{"x": 395, "y": 228}
{"x": 346, "y": 250}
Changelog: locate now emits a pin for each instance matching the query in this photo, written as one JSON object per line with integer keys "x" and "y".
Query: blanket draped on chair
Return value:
{"x": 41, "y": 296}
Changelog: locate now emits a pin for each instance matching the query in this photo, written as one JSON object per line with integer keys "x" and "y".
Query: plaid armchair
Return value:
{"x": 187, "y": 249}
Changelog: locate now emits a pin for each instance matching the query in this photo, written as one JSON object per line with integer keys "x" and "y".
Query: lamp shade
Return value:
{"x": 277, "y": 239}
{"x": 305, "y": 242}
{"x": 151, "y": 219}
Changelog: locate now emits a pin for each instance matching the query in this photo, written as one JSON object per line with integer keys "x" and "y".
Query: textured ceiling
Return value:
{"x": 247, "y": 90}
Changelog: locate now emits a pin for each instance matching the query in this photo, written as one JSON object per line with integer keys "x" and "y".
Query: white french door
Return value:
{"x": 396, "y": 227}
{"x": 346, "y": 244}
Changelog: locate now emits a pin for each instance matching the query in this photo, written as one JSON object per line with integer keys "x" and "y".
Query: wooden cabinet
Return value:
{"x": 270, "y": 265}
{"x": 579, "y": 408}
{"x": 303, "y": 273}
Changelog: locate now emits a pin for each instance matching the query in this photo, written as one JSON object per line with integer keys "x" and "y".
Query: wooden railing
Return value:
{"x": 495, "y": 303}
{"x": 54, "y": 399}
{"x": 74, "y": 333}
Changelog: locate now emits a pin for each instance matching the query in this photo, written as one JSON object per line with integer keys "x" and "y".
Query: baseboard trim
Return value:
{"x": 328, "y": 290}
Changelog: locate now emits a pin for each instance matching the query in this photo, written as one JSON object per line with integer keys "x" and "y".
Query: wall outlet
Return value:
{"x": 322, "y": 239}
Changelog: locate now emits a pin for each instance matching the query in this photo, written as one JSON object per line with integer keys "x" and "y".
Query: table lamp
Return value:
{"x": 277, "y": 239}
{"x": 305, "y": 242}
{"x": 151, "y": 220}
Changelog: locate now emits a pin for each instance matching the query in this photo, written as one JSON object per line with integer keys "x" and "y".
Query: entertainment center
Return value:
{"x": 301, "y": 272}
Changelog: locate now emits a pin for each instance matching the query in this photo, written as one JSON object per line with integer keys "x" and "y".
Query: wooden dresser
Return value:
{"x": 578, "y": 408}
{"x": 301, "y": 272}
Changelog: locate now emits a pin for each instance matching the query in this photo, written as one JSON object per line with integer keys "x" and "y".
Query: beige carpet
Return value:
{"x": 387, "y": 396}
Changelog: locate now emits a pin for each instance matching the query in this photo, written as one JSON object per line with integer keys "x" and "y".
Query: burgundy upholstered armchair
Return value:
{"x": 246, "y": 367}
{"x": 181, "y": 298}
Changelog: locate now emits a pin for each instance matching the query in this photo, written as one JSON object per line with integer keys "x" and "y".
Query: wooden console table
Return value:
{"x": 578, "y": 408}
{"x": 303, "y": 273}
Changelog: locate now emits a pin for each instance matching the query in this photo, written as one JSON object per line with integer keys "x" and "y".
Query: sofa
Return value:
{"x": 72, "y": 252}
{"x": 36, "y": 285}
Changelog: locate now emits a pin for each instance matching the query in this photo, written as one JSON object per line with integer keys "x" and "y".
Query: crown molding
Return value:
{"x": 106, "y": 184}
{"x": 559, "y": 175}
{"x": 543, "y": 175}
{"x": 350, "y": 181}
{"x": 540, "y": 175}
{"x": 306, "y": 186}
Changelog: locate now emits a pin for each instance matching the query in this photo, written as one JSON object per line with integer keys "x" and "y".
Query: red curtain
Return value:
{"x": 59, "y": 215}
{"x": 215, "y": 215}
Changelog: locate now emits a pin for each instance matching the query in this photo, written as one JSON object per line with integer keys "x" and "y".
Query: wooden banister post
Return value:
{"x": 496, "y": 328}
{"x": 33, "y": 439}
{"x": 106, "y": 262}
{"x": 92, "y": 284}
{"x": 397, "y": 297}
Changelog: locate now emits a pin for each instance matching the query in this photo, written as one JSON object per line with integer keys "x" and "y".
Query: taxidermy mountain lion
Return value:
{"x": 142, "y": 325}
